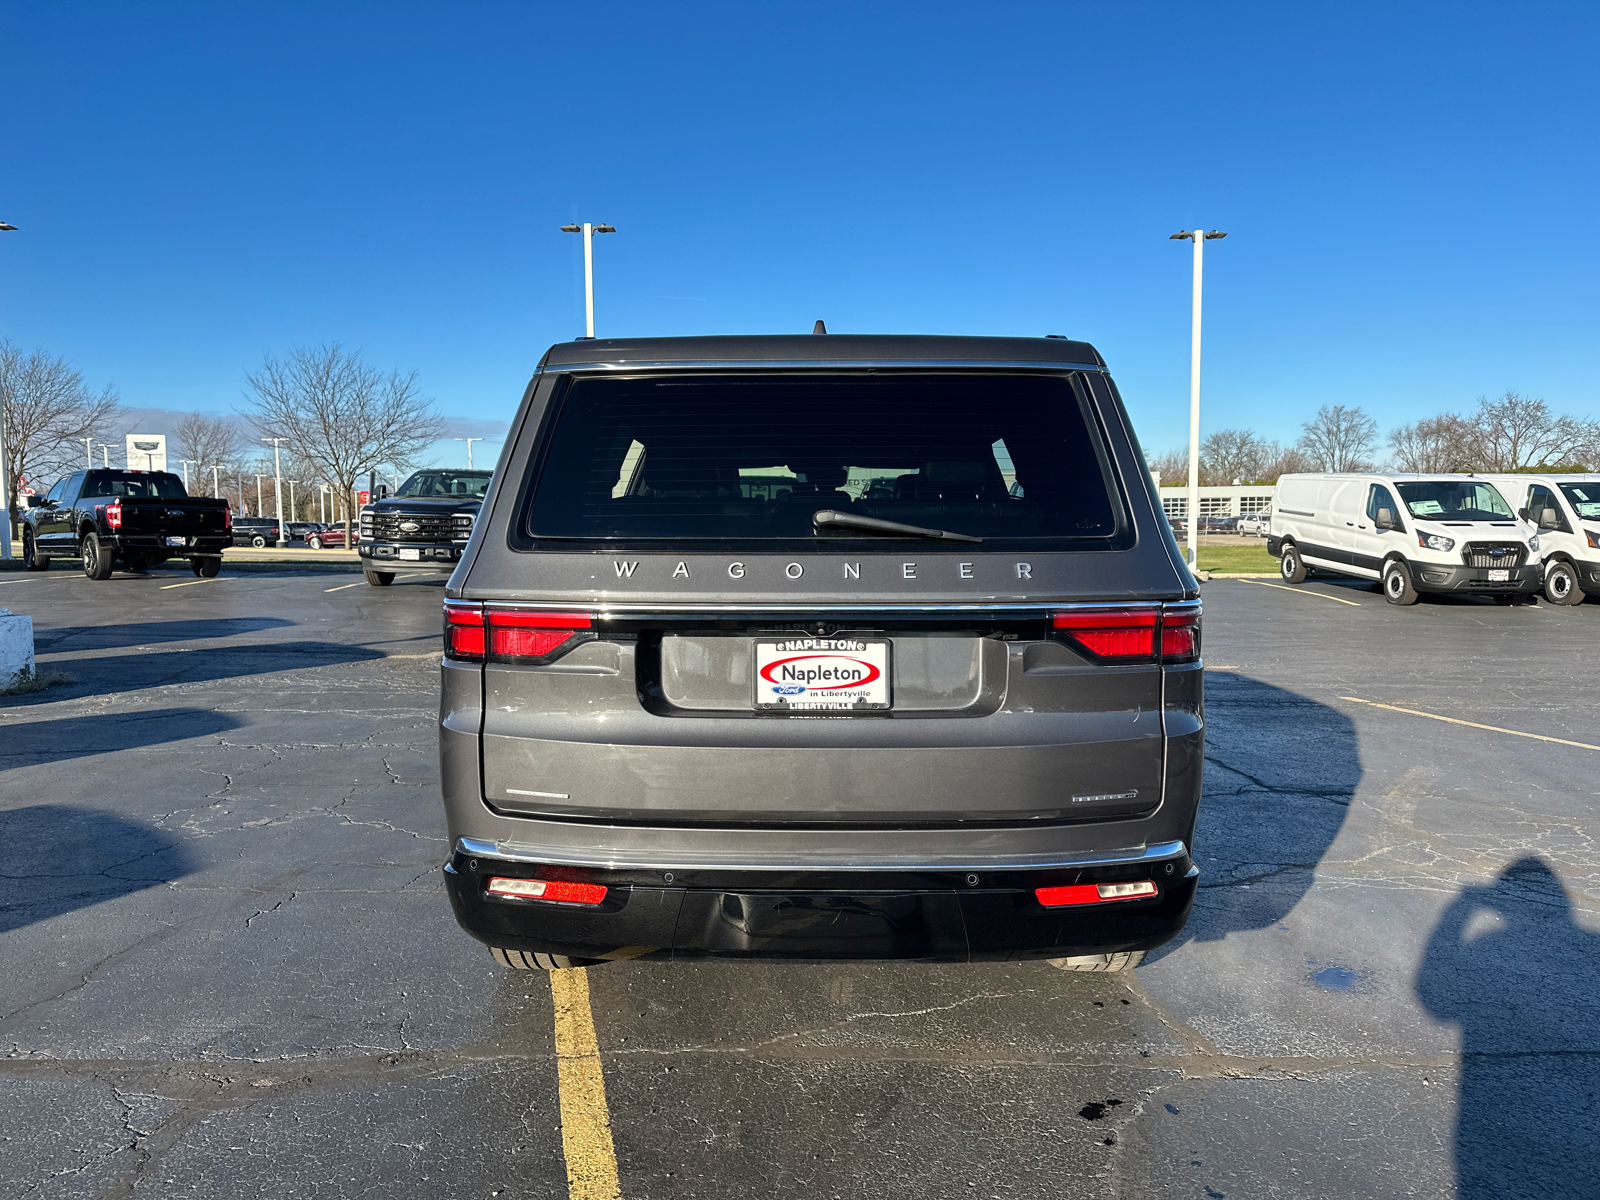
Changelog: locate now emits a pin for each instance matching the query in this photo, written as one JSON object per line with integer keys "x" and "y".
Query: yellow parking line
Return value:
{"x": 1303, "y": 592}
{"x": 585, "y": 1120}
{"x": 1538, "y": 737}
{"x": 167, "y": 587}
{"x": 342, "y": 586}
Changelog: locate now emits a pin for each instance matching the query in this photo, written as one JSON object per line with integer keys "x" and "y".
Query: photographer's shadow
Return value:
{"x": 1281, "y": 770}
{"x": 1508, "y": 964}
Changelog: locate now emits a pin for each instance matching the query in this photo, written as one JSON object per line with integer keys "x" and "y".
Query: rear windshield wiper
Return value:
{"x": 832, "y": 518}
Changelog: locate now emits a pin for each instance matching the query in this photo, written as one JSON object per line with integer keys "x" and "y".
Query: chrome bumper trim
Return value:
{"x": 566, "y": 857}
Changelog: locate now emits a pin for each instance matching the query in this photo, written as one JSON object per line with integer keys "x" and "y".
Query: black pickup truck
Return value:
{"x": 132, "y": 519}
{"x": 422, "y": 527}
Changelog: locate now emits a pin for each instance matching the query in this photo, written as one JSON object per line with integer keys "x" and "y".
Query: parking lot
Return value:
{"x": 230, "y": 969}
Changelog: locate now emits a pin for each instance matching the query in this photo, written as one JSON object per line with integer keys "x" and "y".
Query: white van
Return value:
{"x": 1566, "y": 511}
{"x": 1415, "y": 533}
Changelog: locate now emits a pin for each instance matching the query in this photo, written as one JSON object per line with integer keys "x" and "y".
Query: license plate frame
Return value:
{"x": 177, "y": 541}
{"x": 818, "y": 674}
{"x": 410, "y": 555}
{"x": 1499, "y": 575}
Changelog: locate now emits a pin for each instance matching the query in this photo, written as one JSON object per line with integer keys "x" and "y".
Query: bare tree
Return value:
{"x": 1278, "y": 459}
{"x": 48, "y": 413}
{"x": 1231, "y": 454}
{"x": 1442, "y": 443}
{"x": 1339, "y": 439}
{"x": 341, "y": 415}
{"x": 206, "y": 440}
{"x": 1519, "y": 431}
{"x": 1171, "y": 467}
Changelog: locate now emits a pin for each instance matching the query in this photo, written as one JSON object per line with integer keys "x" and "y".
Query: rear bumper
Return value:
{"x": 204, "y": 545}
{"x": 1428, "y": 577}
{"x": 937, "y": 913}
{"x": 429, "y": 556}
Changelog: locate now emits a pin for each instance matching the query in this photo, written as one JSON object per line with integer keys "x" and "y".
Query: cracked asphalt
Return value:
{"x": 229, "y": 967}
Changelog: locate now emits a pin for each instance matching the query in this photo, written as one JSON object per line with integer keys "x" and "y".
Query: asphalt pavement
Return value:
{"x": 227, "y": 966}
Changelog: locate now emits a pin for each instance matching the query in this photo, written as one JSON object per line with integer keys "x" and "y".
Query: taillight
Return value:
{"x": 477, "y": 634}
{"x": 1094, "y": 893}
{"x": 227, "y": 517}
{"x": 560, "y": 890}
{"x": 1140, "y": 633}
{"x": 463, "y": 632}
{"x": 114, "y": 515}
{"x": 522, "y": 635}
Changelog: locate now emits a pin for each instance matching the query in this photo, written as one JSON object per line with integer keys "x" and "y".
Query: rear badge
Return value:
{"x": 1133, "y": 795}
{"x": 810, "y": 674}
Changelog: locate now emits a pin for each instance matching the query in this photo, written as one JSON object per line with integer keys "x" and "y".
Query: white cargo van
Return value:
{"x": 1566, "y": 511}
{"x": 1414, "y": 533}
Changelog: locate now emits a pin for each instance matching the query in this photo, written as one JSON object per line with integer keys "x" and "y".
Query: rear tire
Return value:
{"x": 315, "y": 543}
{"x": 96, "y": 562}
{"x": 1103, "y": 963}
{"x": 258, "y": 541}
{"x": 1561, "y": 584}
{"x": 1397, "y": 587}
{"x": 529, "y": 960}
{"x": 379, "y": 578}
{"x": 31, "y": 558}
{"x": 205, "y": 568}
{"x": 1291, "y": 566}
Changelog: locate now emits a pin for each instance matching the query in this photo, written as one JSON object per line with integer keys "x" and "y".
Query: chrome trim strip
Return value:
{"x": 603, "y": 607}
{"x": 827, "y": 364}
{"x": 737, "y": 861}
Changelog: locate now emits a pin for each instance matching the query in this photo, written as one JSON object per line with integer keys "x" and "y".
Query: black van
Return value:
{"x": 822, "y": 647}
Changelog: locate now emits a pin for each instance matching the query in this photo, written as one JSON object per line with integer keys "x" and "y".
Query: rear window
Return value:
{"x": 160, "y": 484}
{"x": 735, "y": 458}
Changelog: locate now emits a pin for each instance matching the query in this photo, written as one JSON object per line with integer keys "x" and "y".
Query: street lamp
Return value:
{"x": 216, "y": 487}
{"x": 187, "y": 463}
{"x": 469, "y": 442}
{"x": 277, "y": 485}
{"x": 5, "y": 466}
{"x": 259, "y": 478}
{"x": 588, "y": 232}
{"x": 1199, "y": 238}
{"x": 105, "y": 455}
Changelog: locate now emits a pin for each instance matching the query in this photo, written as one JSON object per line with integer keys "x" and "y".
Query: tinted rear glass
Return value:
{"x": 160, "y": 484}
{"x": 994, "y": 456}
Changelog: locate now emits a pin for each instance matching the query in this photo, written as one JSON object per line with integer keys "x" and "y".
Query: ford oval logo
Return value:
{"x": 409, "y": 527}
{"x": 175, "y": 513}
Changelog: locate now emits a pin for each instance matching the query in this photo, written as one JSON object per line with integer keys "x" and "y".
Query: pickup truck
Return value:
{"x": 132, "y": 519}
{"x": 423, "y": 527}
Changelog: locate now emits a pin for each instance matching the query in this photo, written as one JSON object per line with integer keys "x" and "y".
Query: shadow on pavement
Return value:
{"x": 131, "y": 672}
{"x": 145, "y": 633}
{"x": 1508, "y": 964}
{"x": 55, "y": 859}
{"x": 75, "y": 737}
{"x": 1280, "y": 773}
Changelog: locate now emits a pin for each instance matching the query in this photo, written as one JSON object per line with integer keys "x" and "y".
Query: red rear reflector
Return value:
{"x": 1111, "y": 632}
{"x": 1093, "y": 893}
{"x": 463, "y": 633}
{"x": 518, "y": 634}
{"x": 548, "y": 889}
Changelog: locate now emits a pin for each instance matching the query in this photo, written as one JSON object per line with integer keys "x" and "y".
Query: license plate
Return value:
{"x": 176, "y": 541}
{"x": 411, "y": 555}
{"x": 810, "y": 674}
{"x": 1499, "y": 576}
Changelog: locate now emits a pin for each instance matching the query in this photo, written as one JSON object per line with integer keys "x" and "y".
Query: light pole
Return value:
{"x": 105, "y": 455}
{"x": 5, "y": 465}
{"x": 88, "y": 452}
{"x": 294, "y": 513}
{"x": 469, "y": 442}
{"x": 216, "y": 487}
{"x": 187, "y": 463}
{"x": 1199, "y": 238}
{"x": 588, "y": 232}
{"x": 259, "y": 478}
{"x": 277, "y": 485}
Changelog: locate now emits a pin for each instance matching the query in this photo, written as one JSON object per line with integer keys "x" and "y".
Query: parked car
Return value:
{"x": 255, "y": 531}
{"x": 331, "y": 536}
{"x": 132, "y": 519}
{"x": 956, "y": 722}
{"x": 1566, "y": 511}
{"x": 423, "y": 526}
{"x": 1254, "y": 524}
{"x": 1413, "y": 533}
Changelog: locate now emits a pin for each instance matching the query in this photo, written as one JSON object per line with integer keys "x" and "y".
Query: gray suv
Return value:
{"x": 822, "y": 647}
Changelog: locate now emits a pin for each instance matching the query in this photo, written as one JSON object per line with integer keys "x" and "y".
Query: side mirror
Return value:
{"x": 383, "y": 491}
{"x": 1385, "y": 519}
{"x": 33, "y": 501}
{"x": 1549, "y": 519}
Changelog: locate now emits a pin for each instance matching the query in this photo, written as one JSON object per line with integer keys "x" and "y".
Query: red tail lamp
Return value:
{"x": 1133, "y": 634}
{"x": 463, "y": 633}
{"x": 1180, "y": 634}
{"x": 114, "y": 515}
{"x": 560, "y": 890}
{"x": 1094, "y": 893}
{"x": 522, "y": 634}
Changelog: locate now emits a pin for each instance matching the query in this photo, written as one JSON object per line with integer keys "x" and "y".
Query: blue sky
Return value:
{"x": 1409, "y": 190}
